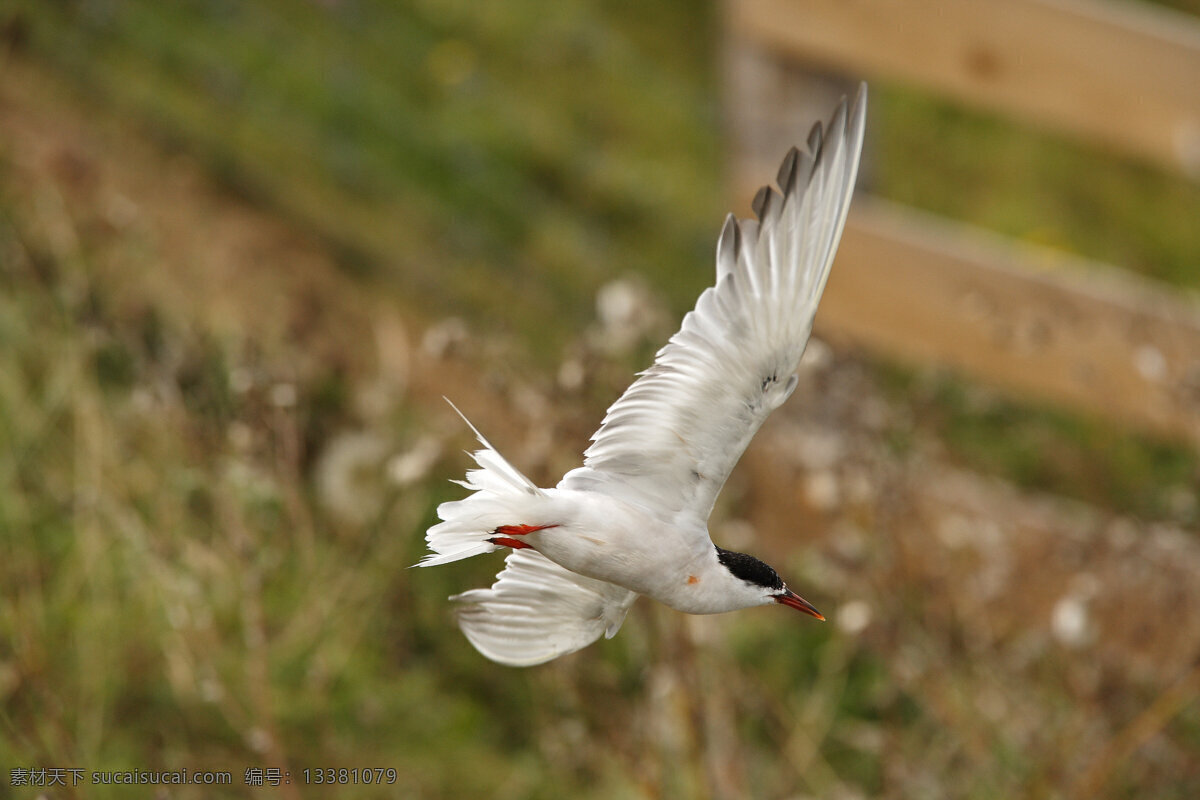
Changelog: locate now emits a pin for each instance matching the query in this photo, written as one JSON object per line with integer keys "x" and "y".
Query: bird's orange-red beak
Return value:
{"x": 793, "y": 600}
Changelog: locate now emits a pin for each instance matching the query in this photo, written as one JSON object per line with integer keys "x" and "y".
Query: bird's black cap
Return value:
{"x": 749, "y": 569}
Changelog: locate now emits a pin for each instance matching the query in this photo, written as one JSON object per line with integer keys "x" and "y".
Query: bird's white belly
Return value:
{"x": 604, "y": 538}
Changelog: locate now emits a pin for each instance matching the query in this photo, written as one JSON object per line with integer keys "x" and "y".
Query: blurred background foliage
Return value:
{"x": 229, "y": 292}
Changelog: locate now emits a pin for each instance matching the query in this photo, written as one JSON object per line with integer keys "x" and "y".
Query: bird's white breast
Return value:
{"x": 672, "y": 561}
{"x": 609, "y": 539}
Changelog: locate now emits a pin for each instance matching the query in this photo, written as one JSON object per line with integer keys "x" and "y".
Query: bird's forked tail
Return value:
{"x": 500, "y": 495}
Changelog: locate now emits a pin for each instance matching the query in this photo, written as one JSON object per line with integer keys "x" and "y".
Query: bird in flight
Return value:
{"x": 633, "y": 520}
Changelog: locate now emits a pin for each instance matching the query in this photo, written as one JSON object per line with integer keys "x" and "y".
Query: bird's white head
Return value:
{"x": 758, "y": 584}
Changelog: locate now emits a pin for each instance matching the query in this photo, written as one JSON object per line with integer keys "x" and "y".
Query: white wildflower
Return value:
{"x": 350, "y": 476}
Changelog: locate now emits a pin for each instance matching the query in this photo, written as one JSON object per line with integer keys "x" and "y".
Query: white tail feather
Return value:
{"x": 500, "y": 496}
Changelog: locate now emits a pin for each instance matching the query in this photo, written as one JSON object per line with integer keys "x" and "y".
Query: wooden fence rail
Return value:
{"x": 927, "y": 289}
{"x": 1124, "y": 74}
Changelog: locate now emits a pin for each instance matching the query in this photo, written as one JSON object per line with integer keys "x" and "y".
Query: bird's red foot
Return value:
{"x": 515, "y": 544}
{"x": 520, "y": 530}
{"x": 510, "y": 531}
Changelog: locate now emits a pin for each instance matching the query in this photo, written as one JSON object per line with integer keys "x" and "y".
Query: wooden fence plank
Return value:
{"x": 1123, "y": 74}
{"x": 1034, "y": 321}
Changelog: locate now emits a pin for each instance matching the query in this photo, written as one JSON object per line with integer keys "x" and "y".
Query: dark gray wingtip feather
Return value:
{"x": 759, "y": 203}
{"x": 767, "y": 205}
{"x": 815, "y": 135}
{"x": 787, "y": 172}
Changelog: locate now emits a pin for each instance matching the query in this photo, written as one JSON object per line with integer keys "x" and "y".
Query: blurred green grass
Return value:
{"x": 177, "y": 597}
{"x": 442, "y": 142}
{"x": 559, "y": 145}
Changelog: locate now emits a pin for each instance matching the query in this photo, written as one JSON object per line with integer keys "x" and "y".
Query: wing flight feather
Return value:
{"x": 537, "y": 611}
{"x": 670, "y": 441}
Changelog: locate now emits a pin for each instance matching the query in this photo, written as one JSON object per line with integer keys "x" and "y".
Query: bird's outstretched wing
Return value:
{"x": 672, "y": 439}
{"x": 537, "y": 611}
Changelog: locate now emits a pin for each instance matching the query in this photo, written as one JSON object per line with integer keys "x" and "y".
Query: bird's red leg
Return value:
{"x": 510, "y": 531}
{"x": 515, "y": 544}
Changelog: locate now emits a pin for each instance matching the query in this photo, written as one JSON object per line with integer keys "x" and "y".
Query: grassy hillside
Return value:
{"x": 504, "y": 164}
{"x": 555, "y": 144}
